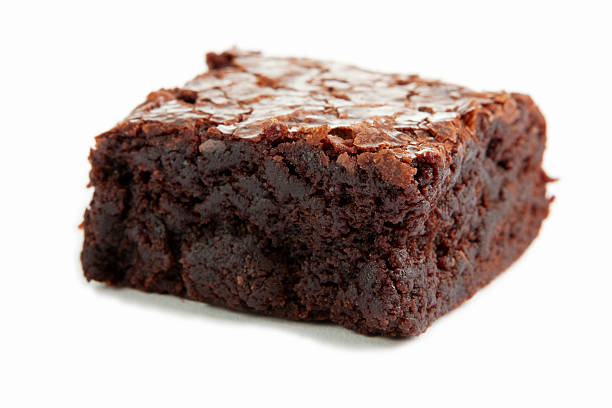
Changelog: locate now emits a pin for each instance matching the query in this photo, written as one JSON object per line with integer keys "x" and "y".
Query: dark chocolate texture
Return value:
{"x": 317, "y": 191}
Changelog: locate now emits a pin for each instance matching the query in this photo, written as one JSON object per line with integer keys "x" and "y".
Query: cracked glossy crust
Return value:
{"x": 376, "y": 227}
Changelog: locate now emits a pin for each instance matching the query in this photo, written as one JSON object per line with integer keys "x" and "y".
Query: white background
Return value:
{"x": 539, "y": 334}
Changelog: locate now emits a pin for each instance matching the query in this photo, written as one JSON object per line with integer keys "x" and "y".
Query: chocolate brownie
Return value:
{"x": 317, "y": 191}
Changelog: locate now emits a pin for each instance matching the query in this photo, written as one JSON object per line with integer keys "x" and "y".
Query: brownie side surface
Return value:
{"x": 316, "y": 223}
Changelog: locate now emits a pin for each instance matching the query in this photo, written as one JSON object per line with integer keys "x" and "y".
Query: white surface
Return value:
{"x": 538, "y": 334}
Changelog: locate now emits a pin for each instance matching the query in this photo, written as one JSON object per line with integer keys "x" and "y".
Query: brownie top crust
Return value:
{"x": 243, "y": 93}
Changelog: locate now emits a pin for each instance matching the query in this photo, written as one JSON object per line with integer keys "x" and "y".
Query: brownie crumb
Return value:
{"x": 187, "y": 95}
{"x": 218, "y": 61}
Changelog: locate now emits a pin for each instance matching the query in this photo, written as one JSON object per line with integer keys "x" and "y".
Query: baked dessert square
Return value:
{"x": 314, "y": 190}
